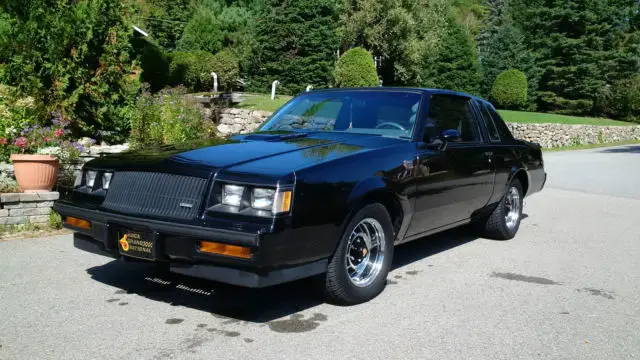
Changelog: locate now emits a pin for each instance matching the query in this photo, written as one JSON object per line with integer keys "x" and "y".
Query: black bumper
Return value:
{"x": 177, "y": 245}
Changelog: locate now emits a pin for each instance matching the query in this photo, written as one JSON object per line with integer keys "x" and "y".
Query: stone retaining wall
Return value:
{"x": 239, "y": 121}
{"x": 557, "y": 135}
{"x": 22, "y": 208}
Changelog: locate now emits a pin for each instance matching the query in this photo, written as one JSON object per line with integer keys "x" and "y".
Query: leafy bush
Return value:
{"x": 167, "y": 117}
{"x": 192, "y": 69}
{"x": 356, "y": 69}
{"x": 510, "y": 90}
{"x": 72, "y": 57}
{"x": 226, "y": 66}
{"x": 154, "y": 62}
{"x": 55, "y": 220}
{"x": 622, "y": 100}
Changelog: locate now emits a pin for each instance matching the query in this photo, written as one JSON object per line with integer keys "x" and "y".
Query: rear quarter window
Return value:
{"x": 503, "y": 130}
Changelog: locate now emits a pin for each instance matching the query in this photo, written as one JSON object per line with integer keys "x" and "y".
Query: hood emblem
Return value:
{"x": 186, "y": 205}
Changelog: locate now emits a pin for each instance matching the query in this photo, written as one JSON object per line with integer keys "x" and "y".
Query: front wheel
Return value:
{"x": 358, "y": 270}
{"x": 504, "y": 221}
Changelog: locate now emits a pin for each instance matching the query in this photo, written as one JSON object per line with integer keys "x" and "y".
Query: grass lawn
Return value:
{"x": 263, "y": 102}
{"x": 523, "y": 117}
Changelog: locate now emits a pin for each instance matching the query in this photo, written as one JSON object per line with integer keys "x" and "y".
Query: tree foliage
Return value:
{"x": 509, "y": 90}
{"x": 400, "y": 32}
{"x": 456, "y": 65}
{"x": 577, "y": 43}
{"x": 295, "y": 43}
{"x": 216, "y": 26}
{"x": 356, "y": 69}
{"x": 74, "y": 57}
{"x": 165, "y": 20}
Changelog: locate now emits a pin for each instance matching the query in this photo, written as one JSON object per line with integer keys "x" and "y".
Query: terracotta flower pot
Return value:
{"x": 35, "y": 172}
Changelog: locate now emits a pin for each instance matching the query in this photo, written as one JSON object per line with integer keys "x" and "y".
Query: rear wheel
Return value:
{"x": 358, "y": 270}
{"x": 504, "y": 221}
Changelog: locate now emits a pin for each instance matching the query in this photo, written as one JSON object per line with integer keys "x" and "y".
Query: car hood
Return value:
{"x": 268, "y": 149}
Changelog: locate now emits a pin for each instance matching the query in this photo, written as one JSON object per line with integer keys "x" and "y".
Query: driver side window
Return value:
{"x": 450, "y": 112}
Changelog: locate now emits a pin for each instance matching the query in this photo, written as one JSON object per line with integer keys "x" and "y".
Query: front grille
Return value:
{"x": 155, "y": 194}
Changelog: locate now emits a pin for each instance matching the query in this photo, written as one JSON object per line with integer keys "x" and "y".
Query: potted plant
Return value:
{"x": 36, "y": 152}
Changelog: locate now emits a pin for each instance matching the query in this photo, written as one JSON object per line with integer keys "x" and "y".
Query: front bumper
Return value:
{"x": 178, "y": 245}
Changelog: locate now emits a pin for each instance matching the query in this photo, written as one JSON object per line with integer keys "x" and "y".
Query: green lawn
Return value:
{"x": 542, "y": 118}
{"x": 263, "y": 102}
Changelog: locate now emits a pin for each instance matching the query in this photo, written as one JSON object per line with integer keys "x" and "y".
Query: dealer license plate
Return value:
{"x": 135, "y": 244}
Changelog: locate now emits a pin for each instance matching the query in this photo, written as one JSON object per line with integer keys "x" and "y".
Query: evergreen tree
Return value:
{"x": 216, "y": 26}
{"x": 456, "y": 66}
{"x": 577, "y": 43}
{"x": 294, "y": 42}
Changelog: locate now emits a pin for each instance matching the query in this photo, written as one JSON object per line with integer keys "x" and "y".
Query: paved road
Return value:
{"x": 568, "y": 287}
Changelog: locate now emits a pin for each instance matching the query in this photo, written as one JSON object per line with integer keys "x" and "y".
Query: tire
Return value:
{"x": 497, "y": 226}
{"x": 342, "y": 285}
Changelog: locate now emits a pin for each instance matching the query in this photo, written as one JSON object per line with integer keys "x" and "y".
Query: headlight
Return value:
{"x": 90, "y": 178}
{"x": 232, "y": 195}
{"x": 262, "y": 199}
{"x": 106, "y": 180}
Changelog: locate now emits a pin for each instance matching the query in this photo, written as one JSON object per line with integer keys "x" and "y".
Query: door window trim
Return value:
{"x": 479, "y": 131}
{"x": 478, "y": 108}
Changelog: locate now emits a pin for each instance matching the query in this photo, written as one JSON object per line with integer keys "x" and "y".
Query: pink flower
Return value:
{"x": 21, "y": 142}
{"x": 58, "y": 133}
{"x": 3, "y": 141}
{"x": 47, "y": 139}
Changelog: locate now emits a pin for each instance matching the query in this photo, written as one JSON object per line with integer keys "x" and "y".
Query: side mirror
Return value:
{"x": 450, "y": 135}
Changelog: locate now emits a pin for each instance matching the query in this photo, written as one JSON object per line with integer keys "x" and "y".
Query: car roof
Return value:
{"x": 408, "y": 89}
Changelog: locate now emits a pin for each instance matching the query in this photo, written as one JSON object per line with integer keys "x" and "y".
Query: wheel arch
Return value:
{"x": 376, "y": 191}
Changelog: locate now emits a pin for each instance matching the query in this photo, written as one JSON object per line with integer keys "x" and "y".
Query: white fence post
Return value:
{"x": 215, "y": 82}
{"x": 273, "y": 89}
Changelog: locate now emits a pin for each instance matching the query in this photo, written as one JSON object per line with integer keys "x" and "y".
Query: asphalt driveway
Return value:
{"x": 567, "y": 287}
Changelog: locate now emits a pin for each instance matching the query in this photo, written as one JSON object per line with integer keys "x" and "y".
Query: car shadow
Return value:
{"x": 633, "y": 149}
{"x": 234, "y": 303}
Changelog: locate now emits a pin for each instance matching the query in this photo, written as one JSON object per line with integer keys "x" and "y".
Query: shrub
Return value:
{"x": 55, "y": 220}
{"x": 510, "y": 90}
{"x": 72, "y": 57}
{"x": 622, "y": 99}
{"x": 226, "y": 66}
{"x": 192, "y": 69}
{"x": 167, "y": 117}
{"x": 355, "y": 68}
{"x": 154, "y": 62}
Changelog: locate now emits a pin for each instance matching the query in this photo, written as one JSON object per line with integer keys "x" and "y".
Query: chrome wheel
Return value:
{"x": 512, "y": 207}
{"x": 365, "y": 252}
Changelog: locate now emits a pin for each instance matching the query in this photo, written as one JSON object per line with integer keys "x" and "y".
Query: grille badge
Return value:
{"x": 186, "y": 205}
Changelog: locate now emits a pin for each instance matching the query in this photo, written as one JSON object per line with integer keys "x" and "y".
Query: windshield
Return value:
{"x": 387, "y": 113}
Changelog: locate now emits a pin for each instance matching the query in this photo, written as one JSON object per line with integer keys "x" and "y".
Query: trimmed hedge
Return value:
{"x": 355, "y": 68}
{"x": 509, "y": 90}
{"x": 193, "y": 70}
{"x": 227, "y": 67}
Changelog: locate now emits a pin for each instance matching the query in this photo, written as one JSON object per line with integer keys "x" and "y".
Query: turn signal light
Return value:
{"x": 79, "y": 223}
{"x": 228, "y": 250}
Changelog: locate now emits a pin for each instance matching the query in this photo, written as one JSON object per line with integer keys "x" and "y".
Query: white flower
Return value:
{"x": 10, "y": 130}
{"x": 52, "y": 150}
{"x": 26, "y": 102}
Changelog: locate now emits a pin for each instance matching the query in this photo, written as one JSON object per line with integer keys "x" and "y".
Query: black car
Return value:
{"x": 327, "y": 186}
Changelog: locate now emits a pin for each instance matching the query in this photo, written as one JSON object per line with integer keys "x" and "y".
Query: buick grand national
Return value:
{"x": 326, "y": 187}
